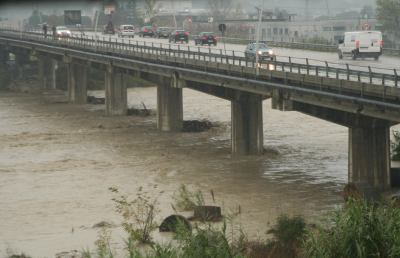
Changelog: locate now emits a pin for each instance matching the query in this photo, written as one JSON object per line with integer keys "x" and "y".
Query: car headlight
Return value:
{"x": 270, "y": 52}
{"x": 260, "y": 52}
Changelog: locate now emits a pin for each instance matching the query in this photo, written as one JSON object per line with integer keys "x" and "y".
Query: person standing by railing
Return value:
{"x": 54, "y": 31}
{"x": 45, "y": 30}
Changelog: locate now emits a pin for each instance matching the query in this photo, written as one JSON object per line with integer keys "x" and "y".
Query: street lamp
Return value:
{"x": 260, "y": 14}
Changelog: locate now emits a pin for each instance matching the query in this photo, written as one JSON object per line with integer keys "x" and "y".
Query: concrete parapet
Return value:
{"x": 247, "y": 124}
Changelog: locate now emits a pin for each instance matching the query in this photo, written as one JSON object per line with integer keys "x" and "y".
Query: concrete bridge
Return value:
{"x": 365, "y": 101}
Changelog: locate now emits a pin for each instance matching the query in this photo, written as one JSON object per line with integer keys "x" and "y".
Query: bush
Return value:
{"x": 360, "y": 229}
{"x": 395, "y": 146}
{"x": 288, "y": 235}
{"x": 186, "y": 200}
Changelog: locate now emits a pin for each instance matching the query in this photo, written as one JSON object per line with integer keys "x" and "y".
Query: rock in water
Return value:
{"x": 207, "y": 213}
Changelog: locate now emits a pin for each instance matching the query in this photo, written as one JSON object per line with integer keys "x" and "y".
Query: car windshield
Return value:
{"x": 208, "y": 33}
{"x": 128, "y": 27}
{"x": 163, "y": 29}
{"x": 261, "y": 46}
{"x": 61, "y": 28}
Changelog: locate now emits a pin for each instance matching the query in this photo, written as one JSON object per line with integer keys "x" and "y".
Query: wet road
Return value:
{"x": 385, "y": 62}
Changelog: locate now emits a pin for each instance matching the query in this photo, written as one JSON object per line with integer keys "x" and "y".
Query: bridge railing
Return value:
{"x": 367, "y": 74}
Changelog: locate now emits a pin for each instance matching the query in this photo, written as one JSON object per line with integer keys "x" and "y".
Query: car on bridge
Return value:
{"x": 205, "y": 38}
{"x": 146, "y": 31}
{"x": 62, "y": 32}
{"x": 361, "y": 44}
{"x": 109, "y": 28}
{"x": 162, "y": 32}
{"x": 263, "y": 52}
{"x": 179, "y": 36}
{"x": 126, "y": 31}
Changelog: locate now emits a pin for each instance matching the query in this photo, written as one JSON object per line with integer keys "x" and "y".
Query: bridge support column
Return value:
{"x": 47, "y": 68}
{"x": 369, "y": 157}
{"x": 21, "y": 59}
{"x": 116, "y": 92}
{"x": 4, "y": 57}
{"x": 247, "y": 124}
{"x": 77, "y": 83}
{"x": 169, "y": 107}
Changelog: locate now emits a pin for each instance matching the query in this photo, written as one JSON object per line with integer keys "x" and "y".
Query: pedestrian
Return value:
{"x": 54, "y": 30}
{"x": 44, "y": 30}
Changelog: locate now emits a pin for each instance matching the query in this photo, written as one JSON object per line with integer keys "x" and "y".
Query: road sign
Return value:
{"x": 222, "y": 27}
{"x": 366, "y": 26}
{"x": 109, "y": 9}
{"x": 72, "y": 17}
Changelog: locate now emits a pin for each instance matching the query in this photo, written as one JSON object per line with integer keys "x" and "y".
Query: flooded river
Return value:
{"x": 58, "y": 160}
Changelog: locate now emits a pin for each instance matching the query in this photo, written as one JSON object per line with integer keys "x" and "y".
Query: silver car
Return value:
{"x": 264, "y": 52}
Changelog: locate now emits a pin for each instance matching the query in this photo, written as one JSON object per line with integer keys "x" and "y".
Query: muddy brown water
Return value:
{"x": 58, "y": 160}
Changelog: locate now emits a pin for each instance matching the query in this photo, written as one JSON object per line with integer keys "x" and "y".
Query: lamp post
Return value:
{"x": 260, "y": 14}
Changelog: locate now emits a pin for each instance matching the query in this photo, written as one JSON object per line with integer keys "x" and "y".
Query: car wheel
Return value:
{"x": 376, "y": 58}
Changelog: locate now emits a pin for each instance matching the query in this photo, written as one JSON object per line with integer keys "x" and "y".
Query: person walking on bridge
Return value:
{"x": 45, "y": 30}
{"x": 54, "y": 31}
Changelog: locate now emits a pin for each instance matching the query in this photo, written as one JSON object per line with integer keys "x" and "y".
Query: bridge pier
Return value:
{"x": 247, "y": 124}
{"x": 77, "y": 83}
{"x": 369, "y": 157}
{"x": 4, "y": 57}
{"x": 116, "y": 92}
{"x": 169, "y": 107}
{"x": 47, "y": 68}
{"x": 21, "y": 59}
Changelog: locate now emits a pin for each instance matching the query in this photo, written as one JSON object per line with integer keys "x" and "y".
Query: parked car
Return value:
{"x": 205, "y": 38}
{"x": 264, "y": 52}
{"x": 162, "y": 32}
{"x": 109, "y": 28}
{"x": 146, "y": 31}
{"x": 126, "y": 31}
{"x": 62, "y": 31}
{"x": 179, "y": 36}
{"x": 361, "y": 44}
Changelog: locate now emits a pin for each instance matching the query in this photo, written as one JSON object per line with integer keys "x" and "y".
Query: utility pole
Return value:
{"x": 260, "y": 14}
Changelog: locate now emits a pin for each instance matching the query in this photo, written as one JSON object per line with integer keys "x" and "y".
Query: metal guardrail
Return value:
{"x": 305, "y": 66}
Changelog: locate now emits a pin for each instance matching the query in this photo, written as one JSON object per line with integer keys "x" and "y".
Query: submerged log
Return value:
{"x": 207, "y": 213}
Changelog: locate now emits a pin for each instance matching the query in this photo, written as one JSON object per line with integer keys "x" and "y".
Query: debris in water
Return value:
{"x": 196, "y": 126}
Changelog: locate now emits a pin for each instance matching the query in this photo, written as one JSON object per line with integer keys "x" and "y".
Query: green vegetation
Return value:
{"x": 395, "y": 146}
{"x": 388, "y": 13}
{"x": 359, "y": 229}
{"x": 186, "y": 200}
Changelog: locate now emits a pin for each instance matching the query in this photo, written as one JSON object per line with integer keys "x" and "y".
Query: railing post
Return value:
{"x": 395, "y": 78}
{"x": 290, "y": 63}
{"x": 348, "y": 72}
{"x": 327, "y": 69}
{"x": 370, "y": 74}
{"x": 308, "y": 67}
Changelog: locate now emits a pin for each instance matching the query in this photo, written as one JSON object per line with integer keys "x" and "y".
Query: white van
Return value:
{"x": 361, "y": 44}
{"x": 126, "y": 31}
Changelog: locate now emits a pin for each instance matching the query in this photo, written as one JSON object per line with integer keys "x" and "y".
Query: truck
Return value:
{"x": 361, "y": 44}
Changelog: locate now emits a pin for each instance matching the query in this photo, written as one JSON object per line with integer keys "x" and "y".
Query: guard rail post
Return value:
{"x": 348, "y": 72}
{"x": 370, "y": 74}
{"x": 308, "y": 68}
{"x": 290, "y": 63}
{"x": 327, "y": 69}
{"x": 396, "y": 80}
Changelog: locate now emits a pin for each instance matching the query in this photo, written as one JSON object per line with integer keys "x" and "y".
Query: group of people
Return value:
{"x": 53, "y": 29}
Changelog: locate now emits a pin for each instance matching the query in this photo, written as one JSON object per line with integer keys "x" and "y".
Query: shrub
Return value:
{"x": 360, "y": 229}
{"x": 186, "y": 200}
{"x": 288, "y": 235}
{"x": 395, "y": 146}
{"x": 138, "y": 215}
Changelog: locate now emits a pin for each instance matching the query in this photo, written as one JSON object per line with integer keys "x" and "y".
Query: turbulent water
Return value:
{"x": 58, "y": 160}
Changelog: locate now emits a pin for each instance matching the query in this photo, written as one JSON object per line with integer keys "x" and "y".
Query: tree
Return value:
{"x": 220, "y": 9}
{"x": 150, "y": 6}
{"x": 367, "y": 12}
{"x": 388, "y": 13}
